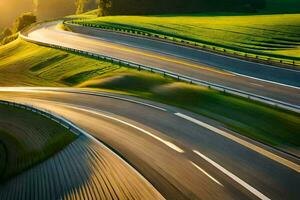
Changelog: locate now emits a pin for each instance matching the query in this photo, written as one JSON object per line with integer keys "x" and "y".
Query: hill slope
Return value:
{"x": 23, "y": 145}
{"x": 23, "y": 63}
{"x": 275, "y": 36}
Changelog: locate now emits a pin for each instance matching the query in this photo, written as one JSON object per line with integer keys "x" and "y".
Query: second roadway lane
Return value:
{"x": 184, "y": 156}
{"x": 175, "y": 59}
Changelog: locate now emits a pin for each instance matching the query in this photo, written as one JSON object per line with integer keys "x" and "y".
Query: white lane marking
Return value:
{"x": 100, "y": 144}
{"x": 118, "y": 157}
{"x": 208, "y": 52}
{"x": 267, "y": 81}
{"x": 259, "y": 85}
{"x": 124, "y": 99}
{"x": 240, "y": 141}
{"x": 167, "y": 143}
{"x": 46, "y": 89}
{"x": 207, "y": 174}
{"x": 234, "y": 177}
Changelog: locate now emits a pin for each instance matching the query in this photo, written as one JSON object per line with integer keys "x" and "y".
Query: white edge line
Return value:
{"x": 124, "y": 99}
{"x": 182, "y": 57}
{"x": 234, "y": 177}
{"x": 127, "y": 164}
{"x": 200, "y": 80}
{"x": 14, "y": 89}
{"x": 207, "y": 174}
{"x": 102, "y": 145}
{"x": 167, "y": 143}
{"x": 264, "y": 80}
{"x": 244, "y": 143}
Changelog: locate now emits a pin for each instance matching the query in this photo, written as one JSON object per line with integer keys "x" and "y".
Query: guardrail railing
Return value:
{"x": 48, "y": 114}
{"x": 179, "y": 77}
{"x": 265, "y": 59}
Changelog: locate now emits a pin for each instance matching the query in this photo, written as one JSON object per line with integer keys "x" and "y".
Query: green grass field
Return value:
{"x": 23, "y": 63}
{"x": 21, "y": 145}
{"x": 275, "y": 36}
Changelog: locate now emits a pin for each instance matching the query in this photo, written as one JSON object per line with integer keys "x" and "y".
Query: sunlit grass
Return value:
{"x": 273, "y": 35}
{"x": 23, "y": 63}
{"x": 22, "y": 146}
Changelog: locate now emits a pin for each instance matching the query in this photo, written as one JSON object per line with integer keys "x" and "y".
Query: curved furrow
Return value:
{"x": 83, "y": 170}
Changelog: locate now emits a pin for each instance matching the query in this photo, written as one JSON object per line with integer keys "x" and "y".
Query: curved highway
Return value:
{"x": 183, "y": 155}
{"x": 182, "y": 60}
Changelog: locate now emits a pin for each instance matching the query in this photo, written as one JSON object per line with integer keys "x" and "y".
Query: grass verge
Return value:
{"x": 41, "y": 66}
{"x": 22, "y": 146}
{"x": 267, "y": 36}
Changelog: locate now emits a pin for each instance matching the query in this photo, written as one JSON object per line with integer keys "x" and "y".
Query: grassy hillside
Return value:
{"x": 22, "y": 63}
{"x": 275, "y": 36}
{"x": 22, "y": 146}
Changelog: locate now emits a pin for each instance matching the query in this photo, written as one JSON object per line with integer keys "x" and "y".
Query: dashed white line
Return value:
{"x": 167, "y": 143}
{"x": 240, "y": 141}
{"x": 207, "y": 174}
{"x": 233, "y": 177}
{"x": 259, "y": 85}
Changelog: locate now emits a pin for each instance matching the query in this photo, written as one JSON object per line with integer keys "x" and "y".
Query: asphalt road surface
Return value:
{"x": 183, "y": 155}
{"x": 190, "y": 62}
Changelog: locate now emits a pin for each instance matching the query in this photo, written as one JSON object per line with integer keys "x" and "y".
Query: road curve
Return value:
{"x": 176, "y": 59}
{"x": 84, "y": 169}
{"x": 183, "y": 155}
{"x": 236, "y": 65}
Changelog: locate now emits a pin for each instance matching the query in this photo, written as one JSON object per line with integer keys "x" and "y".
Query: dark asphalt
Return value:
{"x": 175, "y": 64}
{"x": 170, "y": 171}
{"x": 257, "y": 70}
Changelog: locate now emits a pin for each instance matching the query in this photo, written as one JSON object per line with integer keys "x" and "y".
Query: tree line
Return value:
{"x": 146, "y": 7}
{"x": 142, "y": 7}
{"x": 57, "y": 8}
{"x": 24, "y": 20}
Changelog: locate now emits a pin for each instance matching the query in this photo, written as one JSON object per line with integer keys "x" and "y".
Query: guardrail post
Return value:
{"x": 139, "y": 67}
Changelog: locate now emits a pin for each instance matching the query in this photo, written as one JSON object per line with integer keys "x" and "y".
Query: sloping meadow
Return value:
{"x": 23, "y": 64}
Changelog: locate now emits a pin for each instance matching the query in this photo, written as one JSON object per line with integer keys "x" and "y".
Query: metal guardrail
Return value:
{"x": 48, "y": 114}
{"x": 265, "y": 59}
{"x": 179, "y": 77}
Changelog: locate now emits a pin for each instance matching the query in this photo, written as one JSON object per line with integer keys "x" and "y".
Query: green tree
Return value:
{"x": 5, "y": 33}
{"x": 84, "y": 5}
{"x": 26, "y": 19}
{"x": 79, "y": 6}
{"x": 103, "y": 7}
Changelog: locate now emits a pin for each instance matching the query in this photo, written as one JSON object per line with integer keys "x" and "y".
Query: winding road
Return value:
{"x": 183, "y": 155}
{"x": 271, "y": 82}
